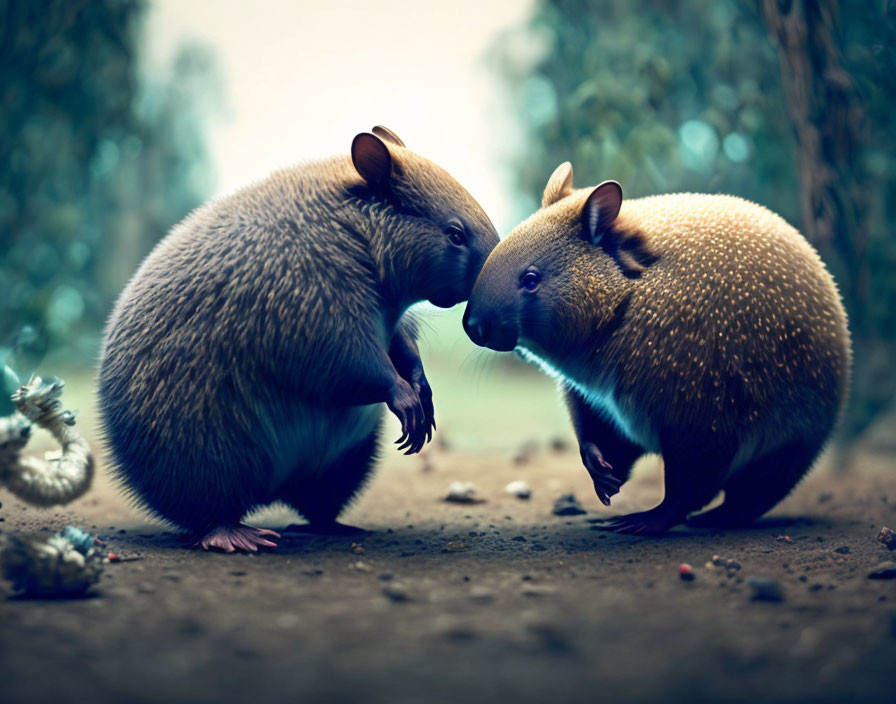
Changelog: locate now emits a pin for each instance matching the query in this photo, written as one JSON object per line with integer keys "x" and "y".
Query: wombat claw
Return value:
{"x": 605, "y": 483}
{"x": 238, "y": 537}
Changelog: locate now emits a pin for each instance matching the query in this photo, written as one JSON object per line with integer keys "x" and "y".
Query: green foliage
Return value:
{"x": 661, "y": 96}
{"x": 97, "y": 163}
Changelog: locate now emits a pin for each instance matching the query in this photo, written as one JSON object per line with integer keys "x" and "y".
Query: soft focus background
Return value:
{"x": 119, "y": 116}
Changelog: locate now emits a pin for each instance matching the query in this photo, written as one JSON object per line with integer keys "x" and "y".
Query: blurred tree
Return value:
{"x": 687, "y": 95}
{"x": 98, "y": 163}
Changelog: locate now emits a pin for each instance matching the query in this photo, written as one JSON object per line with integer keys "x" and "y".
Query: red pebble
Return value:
{"x": 113, "y": 557}
{"x": 686, "y": 572}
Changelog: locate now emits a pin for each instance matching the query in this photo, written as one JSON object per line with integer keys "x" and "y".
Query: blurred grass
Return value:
{"x": 486, "y": 400}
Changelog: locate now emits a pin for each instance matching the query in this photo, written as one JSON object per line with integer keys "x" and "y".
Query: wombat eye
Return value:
{"x": 530, "y": 280}
{"x": 456, "y": 235}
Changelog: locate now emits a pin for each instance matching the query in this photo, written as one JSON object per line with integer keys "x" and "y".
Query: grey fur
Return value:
{"x": 259, "y": 338}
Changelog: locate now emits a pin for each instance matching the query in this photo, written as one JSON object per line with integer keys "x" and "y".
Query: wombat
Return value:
{"x": 701, "y": 327}
{"x": 248, "y": 359}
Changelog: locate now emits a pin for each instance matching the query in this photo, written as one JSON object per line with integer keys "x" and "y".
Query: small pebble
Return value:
{"x": 455, "y": 546}
{"x": 784, "y": 539}
{"x": 483, "y": 595}
{"x": 525, "y": 452}
{"x": 766, "y": 590}
{"x": 568, "y": 505}
{"x": 686, "y": 572}
{"x": 885, "y": 570}
{"x": 887, "y": 537}
{"x": 360, "y": 566}
{"x": 842, "y": 550}
{"x": 559, "y": 444}
{"x": 396, "y": 592}
{"x": 519, "y": 489}
{"x": 538, "y": 590}
{"x": 357, "y": 548}
{"x": 462, "y": 493}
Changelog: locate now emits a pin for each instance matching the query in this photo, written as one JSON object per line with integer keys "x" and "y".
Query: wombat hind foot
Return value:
{"x": 238, "y": 537}
{"x": 653, "y": 522}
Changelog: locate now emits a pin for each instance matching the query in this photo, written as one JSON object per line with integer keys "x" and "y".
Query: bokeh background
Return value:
{"x": 120, "y": 116}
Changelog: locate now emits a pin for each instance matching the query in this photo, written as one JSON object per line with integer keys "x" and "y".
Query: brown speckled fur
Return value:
{"x": 718, "y": 328}
{"x": 261, "y": 333}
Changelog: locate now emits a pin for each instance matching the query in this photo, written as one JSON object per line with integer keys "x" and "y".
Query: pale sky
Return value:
{"x": 302, "y": 78}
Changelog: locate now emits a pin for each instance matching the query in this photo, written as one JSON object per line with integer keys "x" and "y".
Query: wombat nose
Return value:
{"x": 477, "y": 328}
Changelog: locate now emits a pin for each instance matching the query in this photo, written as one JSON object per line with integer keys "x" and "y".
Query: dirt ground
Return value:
{"x": 497, "y": 600}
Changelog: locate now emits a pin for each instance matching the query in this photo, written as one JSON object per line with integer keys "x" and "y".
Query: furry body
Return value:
{"x": 247, "y": 360}
{"x": 701, "y": 327}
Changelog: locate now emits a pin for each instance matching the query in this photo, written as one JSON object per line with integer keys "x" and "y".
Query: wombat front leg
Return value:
{"x": 694, "y": 468}
{"x": 406, "y": 358}
{"x": 606, "y": 453}
{"x": 376, "y": 380}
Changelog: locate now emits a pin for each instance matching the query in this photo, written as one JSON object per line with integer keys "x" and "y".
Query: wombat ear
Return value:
{"x": 372, "y": 159}
{"x": 559, "y": 185}
{"x": 601, "y": 209}
{"x": 387, "y": 134}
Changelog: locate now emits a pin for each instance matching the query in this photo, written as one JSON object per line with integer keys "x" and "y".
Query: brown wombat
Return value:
{"x": 701, "y": 327}
{"x": 247, "y": 360}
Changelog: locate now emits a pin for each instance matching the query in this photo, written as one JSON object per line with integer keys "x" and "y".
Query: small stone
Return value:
{"x": 357, "y": 548}
{"x": 766, "y": 590}
{"x": 360, "y": 566}
{"x": 784, "y": 539}
{"x": 568, "y": 505}
{"x": 396, "y": 592}
{"x": 525, "y": 452}
{"x": 519, "y": 489}
{"x": 455, "y": 546}
{"x": 842, "y": 550}
{"x": 887, "y": 537}
{"x": 559, "y": 444}
{"x": 536, "y": 590}
{"x": 885, "y": 570}
{"x": 483, "y": 595}
{"x": 686, "y": 572}
{"x": 462, "y": 493}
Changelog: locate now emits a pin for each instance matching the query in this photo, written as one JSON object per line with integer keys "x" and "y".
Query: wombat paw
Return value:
{"x": 238, "y": 537}
{"x": 653, "y": 522}
{"x": 601, "y": 472}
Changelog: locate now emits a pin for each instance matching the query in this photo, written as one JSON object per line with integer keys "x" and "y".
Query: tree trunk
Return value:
{"x": 829, "y": 122}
